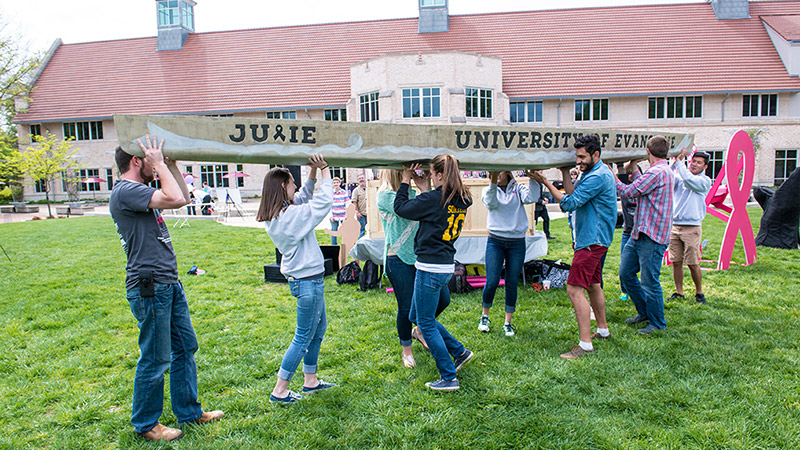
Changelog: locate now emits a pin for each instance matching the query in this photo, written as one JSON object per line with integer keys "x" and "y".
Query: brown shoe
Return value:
{"x": 597, "y": 335}
{"x": 162, "y": 433}
{"x": 576, "y": 353}
{"x": 416, "y": 333}
{"x": 210, "y": 416}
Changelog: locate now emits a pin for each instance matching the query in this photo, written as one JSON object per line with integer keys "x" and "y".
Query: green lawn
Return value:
{"x": 723, "y": 375}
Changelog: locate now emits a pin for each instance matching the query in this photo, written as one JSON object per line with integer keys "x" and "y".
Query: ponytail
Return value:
{"x": 447, "y": 165}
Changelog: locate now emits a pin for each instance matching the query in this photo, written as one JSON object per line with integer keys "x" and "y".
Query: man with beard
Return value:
{"x": 359, "y": 197}
{"x": 157, "y": 301}
{"x": 592, "y": 202}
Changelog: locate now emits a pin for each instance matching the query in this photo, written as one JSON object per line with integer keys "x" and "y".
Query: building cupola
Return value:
{"x": 433, "y": 16}
{"x": 175, "y": 22}
{"x": 731, "y": 9}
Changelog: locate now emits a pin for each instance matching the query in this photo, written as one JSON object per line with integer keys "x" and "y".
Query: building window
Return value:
{"x": 281, "y": 115}
{"x": 526, "y": 112}
{"x": 339, "y": 172}
{"x": 83, "y": 131}
{"x": 785, "y": 163}
{"x": 369, "y": 107}
{"x": 760, "y": 105}
{"x": 188, "y": 15}
{"x": 84, "y": 174}
{"x": 594, "y": 109}
{"x": 212, "y": 174}
{"x": 110, "y": 179}
{"x": 167, "y": 13}
{"x": 35, "y": 129}
{"x": 429, "y": 3}
{"x": 240, "y": 180}
{"x": 479, "y": 103}
{"x": 715, "y": 162}
{"x": 337, "y": 115}
{"x": 40, "y": 186}
{"x": 421, "y": 102}
{"x": 674, "y": 107}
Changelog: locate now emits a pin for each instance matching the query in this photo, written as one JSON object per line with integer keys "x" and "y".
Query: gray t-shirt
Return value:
{"x": 143, "y": 234}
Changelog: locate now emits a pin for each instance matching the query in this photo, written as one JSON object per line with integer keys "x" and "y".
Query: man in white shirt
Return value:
{"x": 689, "y": 209}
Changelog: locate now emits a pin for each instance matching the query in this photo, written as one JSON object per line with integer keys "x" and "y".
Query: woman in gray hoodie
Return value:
{"x": 290, "y": 219}
{"x": 507, "y": 223}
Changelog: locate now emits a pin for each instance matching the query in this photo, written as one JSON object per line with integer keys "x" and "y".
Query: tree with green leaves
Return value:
{"x": 46, "y": 158}
{"x": 17, "y": 71}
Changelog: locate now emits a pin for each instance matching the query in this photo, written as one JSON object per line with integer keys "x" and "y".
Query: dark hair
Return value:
{"x": 451, "y": 185}
{"x": 591, "y": 142}
{"x": 122, "y": 159}
{"x": 658, "y": 146}
{"x": 702, "y": 154}
{"x": 273, "y": 194}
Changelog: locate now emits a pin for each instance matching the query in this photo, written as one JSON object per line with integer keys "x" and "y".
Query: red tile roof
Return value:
{"x": 636, "y": 50}
{"x": 787, "y": 26}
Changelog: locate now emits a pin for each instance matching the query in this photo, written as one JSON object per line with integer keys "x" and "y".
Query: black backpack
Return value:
{"x": 348, "y": 274}
{"x": 458, "y": 283}
{"x": 370, "y": 276}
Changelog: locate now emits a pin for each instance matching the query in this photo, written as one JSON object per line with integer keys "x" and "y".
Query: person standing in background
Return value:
{"x": 359, "y": 197}
{"x": 339, "y": 208}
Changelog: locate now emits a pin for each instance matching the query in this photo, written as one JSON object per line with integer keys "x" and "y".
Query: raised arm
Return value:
{"x": 170, "y": 195}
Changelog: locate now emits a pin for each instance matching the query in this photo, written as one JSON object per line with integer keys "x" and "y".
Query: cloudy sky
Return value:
{"x": 40, "y": 22}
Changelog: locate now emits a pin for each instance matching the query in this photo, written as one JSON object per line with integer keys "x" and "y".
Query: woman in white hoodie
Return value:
{"x": 290, "y": 219}
{"x": 507, "y": 223}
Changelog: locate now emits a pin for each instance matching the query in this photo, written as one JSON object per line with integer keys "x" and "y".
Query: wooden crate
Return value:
{"x": 474, "y": 224}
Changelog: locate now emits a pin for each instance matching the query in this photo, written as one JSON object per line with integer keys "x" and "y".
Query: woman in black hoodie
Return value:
{"x": 441, "y": 213}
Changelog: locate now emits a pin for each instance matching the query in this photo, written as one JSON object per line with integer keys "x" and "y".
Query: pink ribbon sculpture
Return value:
{"x": 737, "y": 218}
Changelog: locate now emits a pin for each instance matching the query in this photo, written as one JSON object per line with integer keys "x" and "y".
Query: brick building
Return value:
{"x": 704, "y": 68}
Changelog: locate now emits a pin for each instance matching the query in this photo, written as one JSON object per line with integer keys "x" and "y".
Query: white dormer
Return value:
{"x": 175, "y": 22}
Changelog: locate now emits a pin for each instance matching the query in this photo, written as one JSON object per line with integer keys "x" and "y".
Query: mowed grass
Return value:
{"x": 722, "y": 376}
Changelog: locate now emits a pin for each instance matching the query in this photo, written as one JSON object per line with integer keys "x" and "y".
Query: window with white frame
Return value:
{"x": 421, "y": 102}
{"x": 675, "y": 107}
{"x": 526, "y": 112}
{"x": 35, "y": 129}
{"x": 339, "y": 172}
{"x": 764, "y": 105}
{"x": 336, "y": 115}
{"x": 479, "y": 103}
{"x": 83, "y": 131}
{"x": 429, "y": 3}
{"x": 281, "y": 114}
{"x": 591, "y": 109}
{"x": 213, "y": 175}
{"x": 168, "y": 13}
{"x": 715, "y": 162}
{"x": 240, "y": 180}
{"x": 369, "y": 107}
{"x": 187, "y": 11}
{"x": 785, "y": 163}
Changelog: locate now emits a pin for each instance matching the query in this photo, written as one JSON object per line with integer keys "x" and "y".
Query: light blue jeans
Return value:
{"x": 363, "y": 222}
{"x": 311, "y": 325}
{"x": 623, "y": 241}
{"x": 644, "y": 255}
{"x": 428, "y": 289}
{"x": 166, "y": 340}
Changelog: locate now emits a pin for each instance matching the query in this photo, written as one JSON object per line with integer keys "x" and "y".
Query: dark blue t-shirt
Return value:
{"x": 143, "y": 234}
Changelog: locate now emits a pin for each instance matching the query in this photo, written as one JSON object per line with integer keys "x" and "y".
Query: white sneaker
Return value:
{"x": 508, "y": 329}
{"x": 483, "y": 324}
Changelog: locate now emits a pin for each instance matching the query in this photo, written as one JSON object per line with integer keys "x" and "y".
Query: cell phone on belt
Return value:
{"x": 147, "y": 287}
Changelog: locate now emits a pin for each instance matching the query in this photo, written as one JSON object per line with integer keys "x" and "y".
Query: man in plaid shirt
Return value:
{"x": 649, "y": 238}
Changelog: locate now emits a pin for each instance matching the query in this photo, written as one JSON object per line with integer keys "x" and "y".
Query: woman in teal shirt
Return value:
{"x": 399, "y": 257}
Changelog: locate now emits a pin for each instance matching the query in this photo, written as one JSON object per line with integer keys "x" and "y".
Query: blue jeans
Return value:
{"x": 402, "y": 276}
{"x": 311, "y": 324}
{"x": 334, "y": 227}
{"x": 428, "y": 289}
{"x": 363, "y": 222}
{"x": 513, "y": 253}
{"x": 166, "y": 340}
{"x": 625, "y": 237}
{"x": 644, "y": 255}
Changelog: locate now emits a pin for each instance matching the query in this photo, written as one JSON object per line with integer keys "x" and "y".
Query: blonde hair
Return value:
{"x": 390, "y": 179}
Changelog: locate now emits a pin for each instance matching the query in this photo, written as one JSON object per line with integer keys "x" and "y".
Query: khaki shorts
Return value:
{"x": 684, "y": 244}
